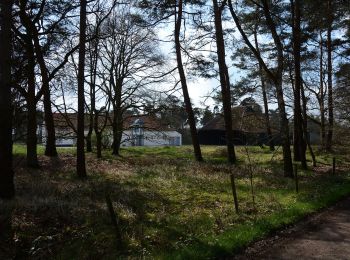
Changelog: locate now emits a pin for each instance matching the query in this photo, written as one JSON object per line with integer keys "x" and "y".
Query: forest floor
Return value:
{"x": 325, "y": 235}
{"x": 166, "y": 204}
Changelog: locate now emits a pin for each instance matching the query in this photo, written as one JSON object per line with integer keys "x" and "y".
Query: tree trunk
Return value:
{"x": 187, "y": 100}
{"x": 115, "y": 150}
{"x": 321, "y": 98}
{"x": 264, "y": 94}
{"x": 92, "y": 109}
{"x": 299, "y": 142}
{"x": 32, "y": 157}
{"x": 88, "y": 140}
{"x": 99, "y": 145}
{"x": 225, "y": 82}
{"x": 94, "y": 51}
{"x": 287, "y": 158}
{"x": 7, "y": 188}
{"x": 98, "y": 133}
{"x": 117, "y": 115}
{"x": 329, "y": 76}
{"x": 305, "y": 126}
{"x": 117, "y": 136}
{"x": 117, "y": 132}
{"x": 81, "y": 169}
{"x": 50, "y": 149}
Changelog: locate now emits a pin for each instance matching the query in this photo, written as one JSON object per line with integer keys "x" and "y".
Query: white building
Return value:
{"x": 141, "y": 135}
{"x": 140, "y": 130}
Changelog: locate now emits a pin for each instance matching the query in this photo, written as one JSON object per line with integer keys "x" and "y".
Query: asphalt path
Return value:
{"x": 325, "y": 235}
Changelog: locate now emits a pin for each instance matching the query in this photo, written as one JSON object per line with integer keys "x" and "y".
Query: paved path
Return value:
{"x": 323, "y": 236}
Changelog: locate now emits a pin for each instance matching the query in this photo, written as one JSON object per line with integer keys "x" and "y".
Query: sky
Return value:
{"x": 198, "y": 88}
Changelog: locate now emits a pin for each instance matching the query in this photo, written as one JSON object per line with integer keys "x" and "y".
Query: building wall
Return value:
{"x": 152, "y": 138}
{"x": 65, "y": 137}
{"x": 218, "y": 137}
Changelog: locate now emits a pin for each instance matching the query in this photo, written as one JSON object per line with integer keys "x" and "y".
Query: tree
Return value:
{"x": 324, "y": 33}
{"x": 100, "y": 11}
{"x": 34, "y": 30}
{"x": 330, "y": 20}
{"x": 46, "y": 25}
{"x": 7, "y": 188}
{"x": 81, "y": 168}
{"x": 28, "y": 91}
{"x": 224, "y": 81}
{"x": 275, "y": 75}
{"x": 129, "y": 63}
{"x": 299, "y": 141}
{"x": 342, "y": 94}
{"x": 161, "y": 11}
{"x": 244, "y": 60}
{"x": 207, "y": 115}
{"x": 187, "y": 100}
{"x": 225, "y": 91}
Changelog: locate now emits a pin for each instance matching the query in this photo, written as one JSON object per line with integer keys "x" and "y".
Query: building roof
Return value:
{"x": 243, "y": 119}
{"x": 150, "y": 122}
{"x": 69, "y": 120}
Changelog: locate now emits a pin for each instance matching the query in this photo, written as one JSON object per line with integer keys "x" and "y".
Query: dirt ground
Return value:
{"x": 325, "y": 235}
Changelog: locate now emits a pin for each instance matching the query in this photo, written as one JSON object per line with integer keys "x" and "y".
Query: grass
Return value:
{"x": 168, "y": 205}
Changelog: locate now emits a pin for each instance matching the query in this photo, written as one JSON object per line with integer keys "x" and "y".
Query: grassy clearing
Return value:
{"x": 168, "y": 206}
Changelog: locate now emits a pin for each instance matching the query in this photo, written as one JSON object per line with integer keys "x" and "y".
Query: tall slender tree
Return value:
{"x": 187, "y": 100}
{"x": 276, "y": 77}
{"x": 7, "y": 188}
{"x": 330, "y": 75}
{"x": 264, "y": 92}
{"x": 224, "y": 80}
{"x": 321, "y": 97}
{"x": 34, "y": 33}
{"x": 299, "y": 141}
{"x": 81, "y": 168}
{"x": 28, "y": 91}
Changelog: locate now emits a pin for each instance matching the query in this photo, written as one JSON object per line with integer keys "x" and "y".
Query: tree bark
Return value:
{"x": 299, "y": 142}
{"x": 7, "y": 187}
{"x": 329, "y": 77}
{"x": 224, "y": 82}
{"x": 81, "y": 168}
{"x": 187, "y": 100}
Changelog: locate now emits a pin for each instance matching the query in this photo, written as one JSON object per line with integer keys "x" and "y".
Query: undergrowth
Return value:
{"x": 167, "y": 205}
